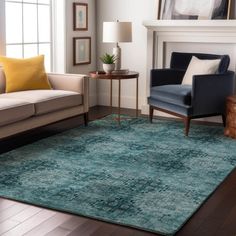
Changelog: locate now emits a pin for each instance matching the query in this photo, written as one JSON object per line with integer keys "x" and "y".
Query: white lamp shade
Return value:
{"x": 115, "y": 32}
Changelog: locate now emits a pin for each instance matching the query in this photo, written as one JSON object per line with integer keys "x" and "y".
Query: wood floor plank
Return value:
{"x": 11, "y": 211}
{"x": 31, "y": 223}
{"x": 48, "y": 225}
{"x": 4, "y": 204}
{"x": 59, "y": 232}
{"x": 7, "y": 225}
{"x": 26, "y": 214}
{"x": 123, "y": 231}
{"x": 105, "y": 229}
{"x": 73, "y": 223}
{"x": 86, "y": 229}
{"x": 226, "y": 228}
{"x": 142, "y": 233}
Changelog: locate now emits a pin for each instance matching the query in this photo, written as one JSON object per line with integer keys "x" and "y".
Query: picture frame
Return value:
{"x": 80, "y": 16}
{"x": 194, "y": 10}
{"x": 81, "y": 50}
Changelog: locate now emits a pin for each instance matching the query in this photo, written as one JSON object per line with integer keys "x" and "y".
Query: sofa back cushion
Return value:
{"x": 25, "y": 74}
{"x": 2, "y": 81}
{"x": 181, "y": 60}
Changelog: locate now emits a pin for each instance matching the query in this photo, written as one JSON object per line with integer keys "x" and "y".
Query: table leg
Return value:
{"x": 111, "y": 96}
{"x": 136, "y": 97}
{"x": 119, "y": 101}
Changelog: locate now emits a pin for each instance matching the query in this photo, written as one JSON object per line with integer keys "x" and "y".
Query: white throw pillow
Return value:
{"x": 200, "y": 67}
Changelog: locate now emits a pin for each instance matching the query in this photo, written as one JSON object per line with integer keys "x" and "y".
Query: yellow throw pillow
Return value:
{"x": 24, "y": 74}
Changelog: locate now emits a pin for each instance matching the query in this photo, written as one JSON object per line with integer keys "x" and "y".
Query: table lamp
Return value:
{"x": 117, "y": 32}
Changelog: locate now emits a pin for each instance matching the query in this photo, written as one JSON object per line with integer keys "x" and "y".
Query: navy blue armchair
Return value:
{"x": 205, "y": 97}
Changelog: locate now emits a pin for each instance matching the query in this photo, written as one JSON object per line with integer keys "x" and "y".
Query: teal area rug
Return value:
{"x": 143, "y": 175}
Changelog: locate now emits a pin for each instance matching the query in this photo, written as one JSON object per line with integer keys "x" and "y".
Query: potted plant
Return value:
{"x": 108, "y": 62}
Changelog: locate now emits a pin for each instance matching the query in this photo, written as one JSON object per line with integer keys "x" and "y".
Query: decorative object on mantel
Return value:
{"x": 108, "y": 62}
{"x": 80, "y": 16}
{"x": 117, "y": 32}
{"x": 194, "y": 10}
{"x": 81, "y": 50}
{"x": 230, "y": 129}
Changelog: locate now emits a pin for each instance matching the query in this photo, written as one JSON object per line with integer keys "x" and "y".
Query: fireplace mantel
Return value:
{"x": 191, "y": 25}
{"x": 160, "y": 32}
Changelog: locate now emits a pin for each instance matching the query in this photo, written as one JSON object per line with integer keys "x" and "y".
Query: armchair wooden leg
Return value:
{"x": 187, "y": 125}
{"x": 151, "y": 113}
{"x": 224, "y": 119}
{"x": 86, "y": 119}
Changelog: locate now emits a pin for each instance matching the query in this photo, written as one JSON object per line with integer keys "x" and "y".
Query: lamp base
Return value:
{"x": 117, "y": 53}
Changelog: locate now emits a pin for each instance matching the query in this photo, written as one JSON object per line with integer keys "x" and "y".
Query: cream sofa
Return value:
{"x": 26, "y": 110}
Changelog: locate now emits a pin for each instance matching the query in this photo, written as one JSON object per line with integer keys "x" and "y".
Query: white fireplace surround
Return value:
{"x": 161, "y": 32}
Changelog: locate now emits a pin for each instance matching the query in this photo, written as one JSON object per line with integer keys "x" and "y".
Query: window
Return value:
{"x": 28, "y": 29}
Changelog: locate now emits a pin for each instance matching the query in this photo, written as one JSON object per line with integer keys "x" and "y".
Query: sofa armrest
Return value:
{"x": 209, "y": 92}
{"x": 166, "y": 76}
{"x": 71, "y": 82}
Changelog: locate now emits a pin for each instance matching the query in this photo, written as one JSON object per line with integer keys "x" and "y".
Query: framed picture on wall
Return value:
{"x": 194, "y": 10}
{"x": 82, "y": 50}
{"x": 80, "y": 16}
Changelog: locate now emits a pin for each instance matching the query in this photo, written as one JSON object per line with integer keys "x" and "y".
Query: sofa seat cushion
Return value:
{"x": 13, "y": 110}
{"x": 174, "y": 94}
{"x": 46, "y": 101}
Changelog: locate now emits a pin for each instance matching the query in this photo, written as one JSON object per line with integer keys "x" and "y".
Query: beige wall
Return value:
{"x": 133, "y": 54}
{"x": 82, "y": 69}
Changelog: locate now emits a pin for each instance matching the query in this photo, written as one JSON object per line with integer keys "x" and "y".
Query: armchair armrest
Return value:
{"x": 71, "y": 82}
{"x": 209, "y": 92}
{"x": 166, "y": 76}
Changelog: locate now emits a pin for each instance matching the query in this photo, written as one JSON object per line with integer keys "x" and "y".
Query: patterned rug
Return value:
{"x": 147, "y": 176}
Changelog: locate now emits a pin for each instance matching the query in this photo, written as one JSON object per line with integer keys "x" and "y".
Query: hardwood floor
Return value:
{"x": 216, "y": 217}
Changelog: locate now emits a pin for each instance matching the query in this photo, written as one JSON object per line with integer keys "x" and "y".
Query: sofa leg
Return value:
{"x": 86, "y": 119}
{"x": 151, "y": 113}
{"x": 187, "y": 125}
{"x": 224, "y": 119}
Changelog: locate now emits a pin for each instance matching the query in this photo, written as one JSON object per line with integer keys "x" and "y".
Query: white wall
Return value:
{"x": 133, "y": 54}
{"x": 59, "y": 36}
{"x": 2, "y": 27}
{"x": 82, "y": 69}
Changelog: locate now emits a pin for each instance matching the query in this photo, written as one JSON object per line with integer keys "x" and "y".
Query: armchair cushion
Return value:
{"x": 200, "y": 67}
{"x": 174, "y": 94}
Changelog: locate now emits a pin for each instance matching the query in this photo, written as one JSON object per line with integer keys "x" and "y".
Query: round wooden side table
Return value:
{"x": 230, "y": 129}
{"x": 100, "y": 75}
